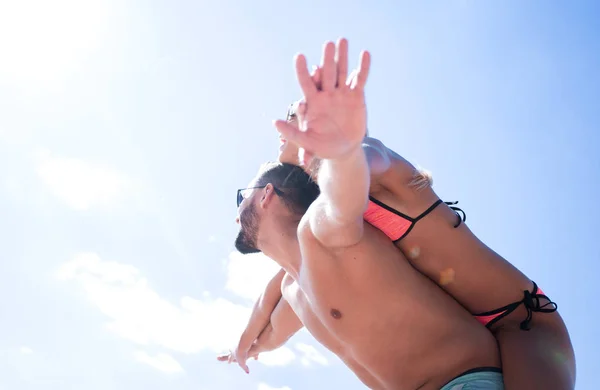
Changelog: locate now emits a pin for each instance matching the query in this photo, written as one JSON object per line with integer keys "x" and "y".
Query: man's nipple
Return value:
{"x": 335, "y": 313}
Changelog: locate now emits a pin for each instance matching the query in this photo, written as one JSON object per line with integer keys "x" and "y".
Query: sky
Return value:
{"x": 127, "y": 126}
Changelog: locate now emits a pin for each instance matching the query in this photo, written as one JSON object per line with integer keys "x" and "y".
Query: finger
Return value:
{"x": 363, "y": 70}
{"x": 301, "y": 110}
{"x": 306, "y": 83}
{"x": 352, "y": 78}
{"x": 341, "y": 59}
{"x": 316, "y": 76}
{"x": 291, "y": 133}
{"x": 244, "y": 367}
{"x": 313, "y": 69}
{"x": 223, "y": 358}
{"x": 328, "y": 77}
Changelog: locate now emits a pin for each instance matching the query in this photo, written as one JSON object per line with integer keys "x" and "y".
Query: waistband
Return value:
{"x": 480, "y": 378}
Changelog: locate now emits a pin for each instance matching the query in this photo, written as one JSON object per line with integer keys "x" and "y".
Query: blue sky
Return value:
{"x": 127, "y": 126}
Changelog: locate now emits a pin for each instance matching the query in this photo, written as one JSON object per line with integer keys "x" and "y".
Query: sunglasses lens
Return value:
{"x": 240, "y": 198}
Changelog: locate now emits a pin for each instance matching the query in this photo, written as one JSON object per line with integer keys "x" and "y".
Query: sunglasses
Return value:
{"x": 291, "y": 112}
{"x": 241, "y": 193}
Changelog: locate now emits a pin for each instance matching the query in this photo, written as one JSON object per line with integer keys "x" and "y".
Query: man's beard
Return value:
{"x": 245, "y": 241}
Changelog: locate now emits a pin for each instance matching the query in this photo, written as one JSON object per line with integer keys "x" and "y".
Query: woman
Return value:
{"x": 534, "y": 343}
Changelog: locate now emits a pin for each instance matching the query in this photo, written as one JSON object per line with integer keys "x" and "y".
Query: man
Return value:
{"x": 345, "y": 280}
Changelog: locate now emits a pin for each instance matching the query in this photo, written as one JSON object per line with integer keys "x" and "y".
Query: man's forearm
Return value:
{"x": 262, "y": 311}
{"x": 344, "y": 183}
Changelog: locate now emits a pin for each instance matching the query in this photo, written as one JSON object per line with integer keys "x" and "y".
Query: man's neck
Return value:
{"x": 282, "y": 247}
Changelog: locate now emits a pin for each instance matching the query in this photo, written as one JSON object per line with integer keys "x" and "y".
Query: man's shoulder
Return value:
{"x": 306, "y": 227}
{"x": 322, "y": 247}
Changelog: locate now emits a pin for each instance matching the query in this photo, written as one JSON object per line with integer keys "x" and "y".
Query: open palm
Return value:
{"x": 333, "y": 119}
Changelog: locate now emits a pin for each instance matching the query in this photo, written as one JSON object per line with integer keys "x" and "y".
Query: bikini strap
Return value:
{"x": 457, "y": 210}
{"x": 461, "y": 218}
{"x": 531, "y": 301}
{"x": 430, "y": 209}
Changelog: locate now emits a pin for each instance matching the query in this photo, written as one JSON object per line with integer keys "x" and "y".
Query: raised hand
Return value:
{"x": 332, "y": 119}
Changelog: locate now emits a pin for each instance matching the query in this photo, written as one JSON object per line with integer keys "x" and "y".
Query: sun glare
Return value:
{"x": 42, "y": 41}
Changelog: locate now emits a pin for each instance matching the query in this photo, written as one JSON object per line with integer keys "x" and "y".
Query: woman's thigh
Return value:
{"x": 541, "y": 358}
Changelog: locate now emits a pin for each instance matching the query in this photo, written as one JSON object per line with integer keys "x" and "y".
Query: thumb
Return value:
{"x": 291, "y": 133}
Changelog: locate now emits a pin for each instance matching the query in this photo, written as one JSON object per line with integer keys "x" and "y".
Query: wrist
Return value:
{"x": 354, "y": 152}
{"x": 354, "y": 158}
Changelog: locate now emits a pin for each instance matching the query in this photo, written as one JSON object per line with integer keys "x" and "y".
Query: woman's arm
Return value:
{"x": 261, "y": 313}
{"x": 283, "y": 325}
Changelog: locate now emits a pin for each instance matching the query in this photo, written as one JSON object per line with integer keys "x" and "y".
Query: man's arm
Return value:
{"x": 283, "y": 325}
{"x": 336, "y": 217}
{"x": 332, "y": 127}
{"x": 262, "y": 312}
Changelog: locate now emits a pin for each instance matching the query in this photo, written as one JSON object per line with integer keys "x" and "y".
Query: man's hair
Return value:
{"x": 299, "y": 190}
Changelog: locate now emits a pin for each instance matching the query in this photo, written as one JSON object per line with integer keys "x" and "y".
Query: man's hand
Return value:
{"x": 332, "y": 122}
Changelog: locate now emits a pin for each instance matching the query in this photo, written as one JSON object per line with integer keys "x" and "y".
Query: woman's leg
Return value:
{"x": 541, "y": 358}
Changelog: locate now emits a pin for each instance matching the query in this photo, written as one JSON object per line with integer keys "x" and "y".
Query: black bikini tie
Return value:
{"x": 462, "y": 218}
{"x": 531, "y": 301}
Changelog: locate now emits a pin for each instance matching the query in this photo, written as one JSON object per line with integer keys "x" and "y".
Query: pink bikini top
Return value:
{"x": 397, "y": 225}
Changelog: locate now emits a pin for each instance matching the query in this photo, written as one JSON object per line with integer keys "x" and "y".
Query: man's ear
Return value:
{"x": 267, "y": 195}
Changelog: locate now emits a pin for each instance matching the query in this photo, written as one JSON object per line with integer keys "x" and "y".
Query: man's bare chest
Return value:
{"x": 305, "y": 309}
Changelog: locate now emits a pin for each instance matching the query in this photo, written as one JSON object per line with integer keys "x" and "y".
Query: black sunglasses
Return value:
{"x": 291, "y": 112}
{"x": 240, "y": 193}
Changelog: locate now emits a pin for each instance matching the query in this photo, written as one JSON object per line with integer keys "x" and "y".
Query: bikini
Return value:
{"x": 397, "y": 225}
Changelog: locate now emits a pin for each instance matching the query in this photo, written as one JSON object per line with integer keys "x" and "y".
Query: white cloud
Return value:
{"x": 161, "y": 361}
{"x": 311, "y": 355}
{"x": 25, "y": 350}
{"x": 279, "y": 357}
{"x": 139, "y": 314}
{"x": 264, "y": 386}
{"x": 248, "y": 275}
{"x": 81, "y": 185}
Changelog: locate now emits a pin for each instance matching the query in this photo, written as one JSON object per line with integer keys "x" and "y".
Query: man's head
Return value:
{"x": 279, "y": 191}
